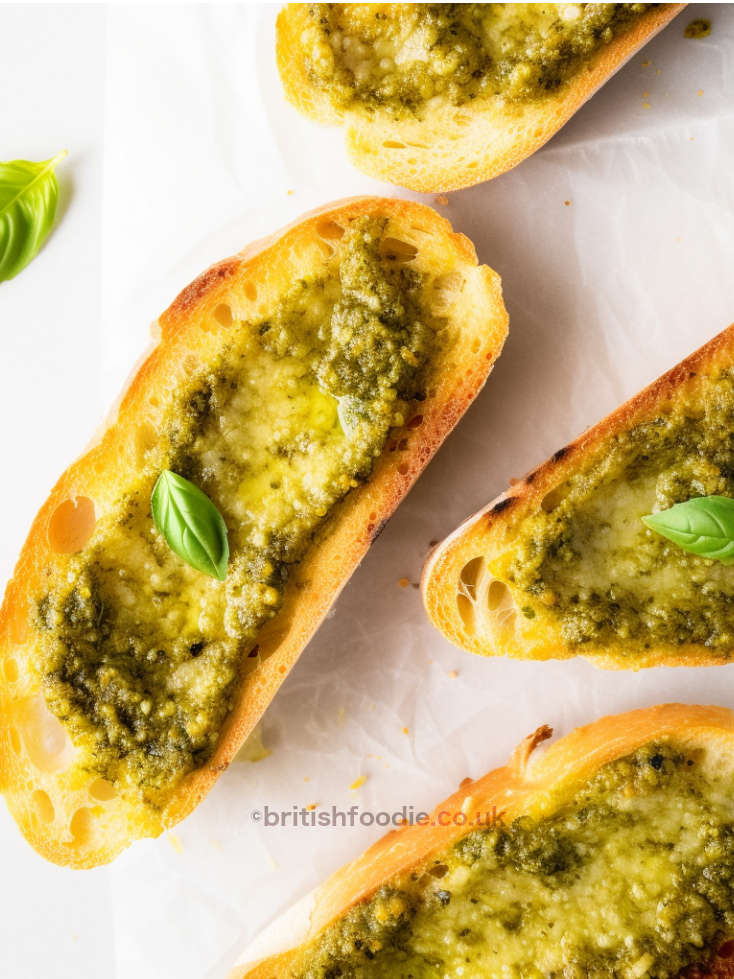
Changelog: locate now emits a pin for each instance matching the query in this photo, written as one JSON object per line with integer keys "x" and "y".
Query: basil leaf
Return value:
{"x": 28, "y": 196}
{"x": 703, "y": 526}
{"x": 193, "y": 527}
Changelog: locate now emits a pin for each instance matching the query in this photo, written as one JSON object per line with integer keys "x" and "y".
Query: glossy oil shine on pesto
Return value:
{"x": 398, "y": 57}
{"x": 140, "y": 653}
{"x": 631, "y": 877}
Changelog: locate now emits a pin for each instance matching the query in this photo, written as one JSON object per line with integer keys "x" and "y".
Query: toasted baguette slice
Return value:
{"x": 68, "y": 813}
{"x": 527, "y": 789}
{"x": 470, "y": 581}
{"x": 449, "y": 147}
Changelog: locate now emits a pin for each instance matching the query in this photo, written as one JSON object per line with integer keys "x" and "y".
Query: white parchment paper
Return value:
{"x": 616, "y": 248}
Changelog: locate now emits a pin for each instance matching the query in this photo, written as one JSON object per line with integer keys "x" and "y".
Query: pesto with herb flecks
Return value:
{"x": 399, "y": 57}
{"x": 587, "y": 561}
{"x": 139, "y": 652}
{"x": 633, "y": 876}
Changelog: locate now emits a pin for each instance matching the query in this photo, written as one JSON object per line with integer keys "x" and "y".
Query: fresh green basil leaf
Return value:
{"x": 29, "y": 193}
{"x": 193, "y": 527}
{"x": 703, "y": 526}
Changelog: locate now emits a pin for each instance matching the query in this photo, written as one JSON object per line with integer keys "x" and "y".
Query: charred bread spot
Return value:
{"x": 206, "y": 282}
{"x": 560, "y": 454}
{"x": 719, "y": 968}
{"x": 375, "y": 531}
{"x": 501, "y": 505}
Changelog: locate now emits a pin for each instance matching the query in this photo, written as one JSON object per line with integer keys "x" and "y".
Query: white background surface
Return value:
{"x": 181, "y": 151}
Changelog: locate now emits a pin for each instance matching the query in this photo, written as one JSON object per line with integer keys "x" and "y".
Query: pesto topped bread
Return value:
{"x": 610, "y": 856}
{"x": 178, "y": 569}
{"x": 616, "y": 548}
{"x": 441, "y": 96}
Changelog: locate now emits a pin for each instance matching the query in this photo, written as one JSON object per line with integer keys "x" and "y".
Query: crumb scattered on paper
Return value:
{"x": 453, "y": 674}
{"x": 442, "y": 200}
{"x": 404, "y": 582}
{"x": 175, "y": 842}
{"x": 700, "y": 27}
{"x": 254, "y": 748}
{"x": 405, "y": 730}
{"x": 358, "y": 782}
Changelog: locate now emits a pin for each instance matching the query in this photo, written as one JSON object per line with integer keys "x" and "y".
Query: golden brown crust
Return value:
{"x": 488, "y": 532}
{"x": 459, "y": 147}
{"x": 525, "y": 785}
{"x": 108, "y": 826}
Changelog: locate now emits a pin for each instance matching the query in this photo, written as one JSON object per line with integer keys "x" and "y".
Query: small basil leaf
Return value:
{"x": 191, "y": 524}
{"x": 703, "y": 526}
{"x": 29, "y": 193}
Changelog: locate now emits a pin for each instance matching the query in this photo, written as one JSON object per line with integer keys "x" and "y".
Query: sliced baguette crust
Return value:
{"x": 456, "y": 147}
{"x": 490, "y": 532}
{"x": 51, "y": 821}
{"x": 526, "y": 786}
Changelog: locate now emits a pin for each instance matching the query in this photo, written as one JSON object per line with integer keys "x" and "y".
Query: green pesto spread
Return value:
{"x": 631, "y": 877}
{"x": 401, "y": 56}
{"x": 586, "y": 560}
{"x": 141, "y": 654}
